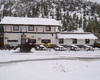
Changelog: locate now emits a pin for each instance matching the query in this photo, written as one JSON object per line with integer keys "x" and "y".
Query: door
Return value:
{"x": 23, "y": 41}
{"x": 1, "y": 41}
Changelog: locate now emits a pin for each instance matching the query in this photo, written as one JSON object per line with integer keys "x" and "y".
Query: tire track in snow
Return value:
{"x": 49, "y": 59}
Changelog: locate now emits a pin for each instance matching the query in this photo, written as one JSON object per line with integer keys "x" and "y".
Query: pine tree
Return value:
{"x": 88, "y": 29}
{"x": 84, "y": 24}
{"x": 77, "y": 20}
{"x": 74, "y": 16}
{"x": 93, "y": 9}
{"x": 46, "y": 8}
{"x": 80, "y": 22}
{"x": 58, "y": 13}
{"x": 1, "y": 29}
{"x": 96, "y": 27}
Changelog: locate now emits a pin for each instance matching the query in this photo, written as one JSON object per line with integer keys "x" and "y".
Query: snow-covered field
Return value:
{"x": 50, "y": 65}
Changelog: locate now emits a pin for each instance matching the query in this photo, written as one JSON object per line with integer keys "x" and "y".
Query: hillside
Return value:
{"x": 73, "y": 14}
{"x": 97, "y": 1}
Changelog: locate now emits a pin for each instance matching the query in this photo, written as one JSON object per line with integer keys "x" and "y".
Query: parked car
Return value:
{"x": 41, "y": 47}
{"x": 97, "y": 44}
{"x": 74, "y": 47}
{"x": 88, "y": 48}
{"x": 60, "y": 48}
{"x": 47, "y": 45}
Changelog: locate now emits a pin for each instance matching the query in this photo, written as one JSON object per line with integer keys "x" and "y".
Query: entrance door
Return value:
{"x": 1, "y": 41}
{"x": 23, "y": 41}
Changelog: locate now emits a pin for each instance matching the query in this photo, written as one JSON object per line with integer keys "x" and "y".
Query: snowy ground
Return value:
{"x": 50, "y": 65}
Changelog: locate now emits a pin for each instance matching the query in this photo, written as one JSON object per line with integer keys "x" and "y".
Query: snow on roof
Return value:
{"x": 29, "y": 21}
{"x": 77, "y": 36}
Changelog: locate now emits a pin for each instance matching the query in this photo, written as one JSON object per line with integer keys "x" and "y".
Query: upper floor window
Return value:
{"x": 15, "y": 28}
{"x": 87, "y": 41}
{"x": 74, "y": 41}
{"x": 31, "y": 28}
{"x": 48, "y": 28}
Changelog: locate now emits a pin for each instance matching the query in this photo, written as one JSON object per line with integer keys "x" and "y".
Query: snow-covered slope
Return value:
{"x": 73, "y": 15}
{"x": 98, "y": 1}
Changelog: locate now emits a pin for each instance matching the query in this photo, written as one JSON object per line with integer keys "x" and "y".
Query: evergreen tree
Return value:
{"x": 93, "y": 9}
{"x": 74, "y": 16}
{"x": 58, "y": 13}
{"x": 57, "y": 9}
{"x": 77, "y": 20}
{"x": 80, "y": 22}
{"x": 64, "y": 22}
{"x": 46, "y": 10}
{"x": 84, "y": 24}
{"x": 88, "y": 29}
{"x": 93, "y": 26}
{"x": 1, "y": 29}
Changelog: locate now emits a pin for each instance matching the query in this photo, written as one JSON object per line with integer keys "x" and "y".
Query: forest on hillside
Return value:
{"x": 73, "y": 14}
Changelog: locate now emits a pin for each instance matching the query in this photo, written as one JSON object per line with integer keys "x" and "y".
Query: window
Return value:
{"x": 61, "y": 41}
{"x": 48, "y": 28}
{"x": 74, "y": 41}
{"x": 16, "y": 28}
{"x": 31, "y": 28}
{"x": 12, "y": 40}
{"x": 46, "y": 41}
{"x": 87, "y": 41}
{"x": 33, "y": 40}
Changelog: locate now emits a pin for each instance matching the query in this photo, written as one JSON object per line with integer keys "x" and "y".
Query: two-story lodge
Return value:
{"x": 41, "y": 30}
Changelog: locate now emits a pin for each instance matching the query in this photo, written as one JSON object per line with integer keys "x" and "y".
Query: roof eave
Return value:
{"x": 30, "y": 24}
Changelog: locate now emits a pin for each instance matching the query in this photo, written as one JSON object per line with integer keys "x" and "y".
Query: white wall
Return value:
{"x": 17, "y": 36}
{"x": 79, "y": 42}
{"x": 39, "y": 37}
{"x": 12, "y": 36}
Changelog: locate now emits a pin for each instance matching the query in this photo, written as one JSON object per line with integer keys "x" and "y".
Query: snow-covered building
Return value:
{"x": 41, "y": 30}
{"x": 76, "y": 38}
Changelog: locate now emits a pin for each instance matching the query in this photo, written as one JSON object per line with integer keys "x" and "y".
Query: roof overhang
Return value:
{"x": 29, "y": 21}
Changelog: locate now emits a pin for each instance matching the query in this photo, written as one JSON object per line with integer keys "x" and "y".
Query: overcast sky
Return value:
{"x": 94, "y": 1}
